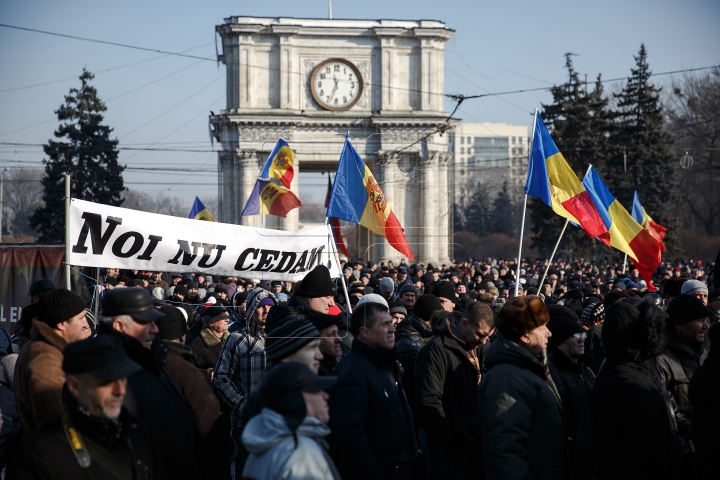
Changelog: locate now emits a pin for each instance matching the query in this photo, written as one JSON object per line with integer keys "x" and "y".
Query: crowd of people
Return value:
{"x": 387, "y": 372}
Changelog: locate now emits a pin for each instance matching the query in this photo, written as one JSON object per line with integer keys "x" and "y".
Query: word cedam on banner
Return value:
{"x": 104, "y": 236}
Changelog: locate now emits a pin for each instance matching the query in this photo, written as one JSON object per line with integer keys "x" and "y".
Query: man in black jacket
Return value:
{"x": 371, "y": 423}
{"x": 574, "y": 381}
{"x": 108, "y": 441}
{"x": 129, "y": 315}
{"x": 447, "y": 377}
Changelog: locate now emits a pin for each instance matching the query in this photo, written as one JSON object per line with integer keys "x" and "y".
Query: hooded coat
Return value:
{"x": 634, "y": 434}
{"x": 276, "y": 453}
{"x": 154, "y": 397}
{"x": 447, "y": 391}
{"x": 522, "y": 421}
{"x": 677, "y": 366}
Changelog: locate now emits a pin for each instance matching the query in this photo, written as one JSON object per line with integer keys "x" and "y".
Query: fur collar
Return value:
{"x": 44, "y": 332}
{"x": 209, "y": 338}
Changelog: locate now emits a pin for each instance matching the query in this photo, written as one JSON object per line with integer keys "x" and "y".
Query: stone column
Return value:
{"x": 387, "y": 57}
{"x": 287, "y": 67}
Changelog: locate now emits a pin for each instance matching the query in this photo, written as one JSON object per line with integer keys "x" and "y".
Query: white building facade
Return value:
{"x": 311, "y": 82}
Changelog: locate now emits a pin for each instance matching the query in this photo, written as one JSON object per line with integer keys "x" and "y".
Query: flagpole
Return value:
{"x": 562, "y": 232}
{"x": 624, "y": 264}
{"x": 67, "y": 231}
{"x": 522, "y": 225}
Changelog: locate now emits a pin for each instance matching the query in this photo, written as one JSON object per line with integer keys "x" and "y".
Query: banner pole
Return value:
{"x": 522, "y": 230}
{"x": 557, "y": 244}
{"x": 624, "y": 264}
{"x": 347, "y": 297}
{"x": 97, "y": 292}
{"x": 67, "y": 231}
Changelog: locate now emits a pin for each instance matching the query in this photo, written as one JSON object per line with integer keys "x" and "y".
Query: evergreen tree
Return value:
{"x": 580, "y": 123}
{"x": 85, "y": 151}
{"x": 472, "y": 209}
{"x": 505, "y": 218}
{"x": 651, "y": 166}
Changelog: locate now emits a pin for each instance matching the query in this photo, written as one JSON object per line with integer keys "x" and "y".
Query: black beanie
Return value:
{"x": 561, "y": 327}
{"x": 425, "y": 306}
{"x": 59, "y": 305}
{"x": 684, "y": 309}
{"x": 445, "y": 290}
{"x": 288, "y": 337}
{"x": 173, "y": 325}
{"x": 317, "y": 283}
{"x": 181, "y": 290}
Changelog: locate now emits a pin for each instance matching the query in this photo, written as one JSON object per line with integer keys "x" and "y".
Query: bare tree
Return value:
{"x": 694, "y": 122}
{"x": 22, "y": 195}
{"x": 163, "y": 203}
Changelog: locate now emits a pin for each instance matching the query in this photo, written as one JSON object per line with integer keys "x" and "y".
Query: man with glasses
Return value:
{"x": 574, "y": 381}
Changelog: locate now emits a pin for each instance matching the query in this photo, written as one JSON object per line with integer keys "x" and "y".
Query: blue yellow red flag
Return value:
{"x": 199, "y": 212}
{"x": 357, "y": 197}
{"x": 641, "y": 216}
{"x": 551, "y": 179}
{"x": 623, "y": 231}
{"x": 271, "y": 193}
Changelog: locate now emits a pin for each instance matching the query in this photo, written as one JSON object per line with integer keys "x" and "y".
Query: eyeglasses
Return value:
{"x": 582, "y": 335}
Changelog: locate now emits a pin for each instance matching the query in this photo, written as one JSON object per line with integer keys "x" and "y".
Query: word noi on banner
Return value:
{"x": 250, "y": 260}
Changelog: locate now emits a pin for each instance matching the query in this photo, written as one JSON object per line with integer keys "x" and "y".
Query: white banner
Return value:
{"x": 103, "y": 236}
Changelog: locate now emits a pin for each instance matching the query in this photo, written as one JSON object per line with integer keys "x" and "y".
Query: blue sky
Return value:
{"x": 164, "y": 101}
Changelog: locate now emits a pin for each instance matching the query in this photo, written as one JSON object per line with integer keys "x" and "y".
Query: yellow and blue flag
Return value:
{"x": 357, "y": 197}
{"x": 199, "y": 212}
{"x": 271, "y": 193}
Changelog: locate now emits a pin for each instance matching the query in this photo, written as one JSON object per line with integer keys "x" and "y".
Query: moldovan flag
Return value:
{"x": 274, "y": 198}
{"x": 335, "y": 223}
{"x": 551, "y": 179}
{"x": 356, "y": 197}
{"x": 640, "y": 215}
{"x": 199, "y": 212}
{"x": 623, "y": 231}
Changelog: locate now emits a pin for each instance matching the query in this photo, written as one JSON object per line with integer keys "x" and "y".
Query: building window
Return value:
{"x": 462, "y": 140}
{"x": 513, "y": 140}
{"x": 462, "y": 150}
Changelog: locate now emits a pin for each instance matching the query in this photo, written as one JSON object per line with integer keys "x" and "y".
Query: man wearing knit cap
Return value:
{"x": 574, "y": 381}
{"x": 212, "y": 427}
{"x": 96, "y": 437}
{"x": 330, "y": 341}
{"x": 386, "y": 289}
{"x": 214, "y": 333}
{"x": 39, "y": 376}
{"x": 408, "y": 296}
{"x": 317, "y": 291}
{"x": 243, "y": 359}
{"x": 445, "y": 292}
{"x": 684, "y": 336}
{"x": 23, "y": 328}
{"x": 293, "y": 340}
{"x": 697, "y": 289}
{"x": 397, "y": 312}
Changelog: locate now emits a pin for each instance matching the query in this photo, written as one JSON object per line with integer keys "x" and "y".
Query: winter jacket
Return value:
{"x": 127, "y": 445}
{"x": 705, "y": 399}
{"x": 215, "y": 447}
{"x": 154, "y": 397}
{"x": 409, "y": 336}
{"x": 634, "y": 434}
{"x": 677, "y": 366}
{"x": 522, "y": 421}
{"x": 9, "y": 417}
{"x": 371, "y": 423}
{"x": 274, "y": 453}
{"x": 574, "y": 383}
{"x": 39, "y": 377}
{"x": 240, "y": 369}
{"x": 207, "y": 348}
{"x": 447, "y": 392}
{"x": 594, "y": 350}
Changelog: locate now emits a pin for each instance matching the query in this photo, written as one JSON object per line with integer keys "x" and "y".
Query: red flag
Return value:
{"x": 335, "y": 224}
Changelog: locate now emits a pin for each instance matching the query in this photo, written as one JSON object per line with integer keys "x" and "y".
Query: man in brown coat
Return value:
{"x": 39, "y": 377}
{"x": 208, "y": 345}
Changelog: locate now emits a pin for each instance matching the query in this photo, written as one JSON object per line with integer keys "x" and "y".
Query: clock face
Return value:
{"x": 336, "y": 84}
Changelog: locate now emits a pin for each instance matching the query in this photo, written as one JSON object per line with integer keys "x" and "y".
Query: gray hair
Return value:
{"x": 125, "y": 319}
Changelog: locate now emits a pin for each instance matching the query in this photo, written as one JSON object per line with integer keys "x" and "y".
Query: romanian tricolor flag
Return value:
{"x": 551, "y": 179}
{"x": 199, "y": 212}
{"x": 335, "y": 223}
{"x": 272, "y": 193}
{"x": 356, "y": 197}
{"x": 640, "y": 215}
{"x": 623, "y": 232}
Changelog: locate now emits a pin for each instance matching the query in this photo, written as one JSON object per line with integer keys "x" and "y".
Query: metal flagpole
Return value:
{"x": 67, "y": 231}
{"x": 522, "y": 225}
{"x": 562, "y": 232}
{"x": 624, "y": 264}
